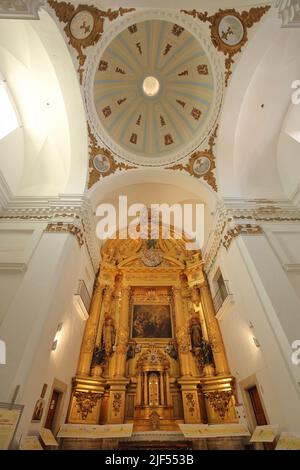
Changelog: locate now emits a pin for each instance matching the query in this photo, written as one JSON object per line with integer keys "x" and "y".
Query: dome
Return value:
{"x": 154, "y": 92}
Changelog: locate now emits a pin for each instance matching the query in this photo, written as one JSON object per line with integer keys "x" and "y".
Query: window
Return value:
{"x": 221, "y": 291}
{"x": 8, "y": 117}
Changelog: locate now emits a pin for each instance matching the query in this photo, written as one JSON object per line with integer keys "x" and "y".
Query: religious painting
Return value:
{"x": 151, "y": 321}
{"x": 38, "y": 411}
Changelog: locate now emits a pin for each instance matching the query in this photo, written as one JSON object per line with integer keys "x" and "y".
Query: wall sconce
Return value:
{"x": 255, "y": 340}
{"x": 56, "y": 337}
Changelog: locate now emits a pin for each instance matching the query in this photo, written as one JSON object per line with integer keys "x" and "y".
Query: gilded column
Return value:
{"x": 145, "y": 389}
{"x": 168, "y": 389}
{"x": 162, "y": 394}
{"x": 90, "y": 334}
{"x": 123, "y": 334}
{"x": 213, "y": 330}
{"x": 139, "y": 389}
{"x": 182, "y": 334}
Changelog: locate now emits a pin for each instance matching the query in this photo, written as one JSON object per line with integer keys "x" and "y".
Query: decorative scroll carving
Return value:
{"x": 240, "y": 230}
{"x": 117, "y": 403}
{"x": 86, "y": 402}
{"x": 60, "y": 227}
{"x": 201, "y": 164}
{"x": 224, "y": 37}
{"x": 219, "y": 401}
{"x": 183, "y": 340}
{"x": 122, "y": 341}
{"x": 106, "y": 159}
{"x": 191, "y": 403}
{"x": 84, "y": 25}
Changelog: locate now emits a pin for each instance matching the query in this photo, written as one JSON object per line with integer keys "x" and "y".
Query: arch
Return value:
{"x": 257, "y": 100}
{"x": 47, "y": 154}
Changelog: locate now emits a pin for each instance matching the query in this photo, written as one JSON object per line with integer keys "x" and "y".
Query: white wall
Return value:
{"x": 264, "y": 296}
{"x": 42, "y": 300}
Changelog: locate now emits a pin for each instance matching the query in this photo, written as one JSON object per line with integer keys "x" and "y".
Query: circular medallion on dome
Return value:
{"x": 82, "y": 24}
{"x": 154, "y": 93}
{"x": 101, "y": 163}
{"x": 201, "y": 166}
{"x": 231, "y": 30}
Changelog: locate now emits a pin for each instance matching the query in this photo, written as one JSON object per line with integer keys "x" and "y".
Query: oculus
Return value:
{"x": 151, "y": 86}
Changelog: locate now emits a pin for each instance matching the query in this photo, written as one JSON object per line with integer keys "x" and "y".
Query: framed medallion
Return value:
{"x": 201, "y": 165}
{"x": 102, "y": 163}
{"x": 82, "y": 25}
{"x": 231, "y": 30}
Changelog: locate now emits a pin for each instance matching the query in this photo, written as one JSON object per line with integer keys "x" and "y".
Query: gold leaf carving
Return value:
{"x": 247, "y": 18}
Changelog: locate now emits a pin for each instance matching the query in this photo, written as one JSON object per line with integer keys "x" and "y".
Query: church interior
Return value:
{"x": 139, "y": 342}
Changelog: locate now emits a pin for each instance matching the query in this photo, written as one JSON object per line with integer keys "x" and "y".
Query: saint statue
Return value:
{"x": 109, "y": 335}
{"x": 195, "y": 333}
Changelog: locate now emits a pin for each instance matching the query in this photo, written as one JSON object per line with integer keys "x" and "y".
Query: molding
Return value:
{"x": 209, "y": 176}
{"x": 289, "y": 12}
{"x": 246, "y": 20}
{"x": 244, "y": 217}
{"x": 291, "y": 267}
{"x": 13, "y": 266}
{"x": 73, "y": 210}
{"x": 20, "y": 9}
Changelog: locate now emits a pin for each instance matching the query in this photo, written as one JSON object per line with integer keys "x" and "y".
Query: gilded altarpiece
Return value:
{"x": 152, "y": 351}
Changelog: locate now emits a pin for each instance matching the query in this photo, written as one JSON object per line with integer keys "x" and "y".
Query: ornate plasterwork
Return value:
{"x": 84, "y": 25}
{"x": 104, "y": 156}
{"x": 75, "y": 212}
{"x": 61, "y": 227}
{"x": 20, "y": 9}
{"x": 86, "y": 402}
{"x": 197, "y": 158}
{"x": 229, "y": 30}
{"x": 289, "y": 12}
{"x": 92, "y": 64}
{"x": 233, "y": 220}
{"x": 219, "y": 401}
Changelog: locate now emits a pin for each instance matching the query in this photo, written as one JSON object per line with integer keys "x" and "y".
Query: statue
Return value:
{"x": 171, "y": 349}
{"x": 195, "y": 332}
{"x": 109, "y": 335}
{"x": 207, "y": 355}
{"x": 133, "y": 349}
{"x": 99, "y": 357}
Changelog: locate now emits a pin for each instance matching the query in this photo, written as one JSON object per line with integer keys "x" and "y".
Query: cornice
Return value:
{"x": 234, "y": 217}
{"x": 69, "y": 213}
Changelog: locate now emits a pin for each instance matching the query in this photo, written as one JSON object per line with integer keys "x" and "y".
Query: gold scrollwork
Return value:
{"x": 112, "y": 167}
{"x": 209, "y": 176}
{"x": 86, "y": 402}
{"x": 183, "y": 340}
{"x": 116, "y": 403}
{"x": 219, "y": 401}
{"x": 67, "y": 13}
{"x": 247, "y": 19}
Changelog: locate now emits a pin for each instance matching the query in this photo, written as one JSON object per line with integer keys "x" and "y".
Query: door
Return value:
{"x": 259, "y": 413}
{"x": 52, "y": 410}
